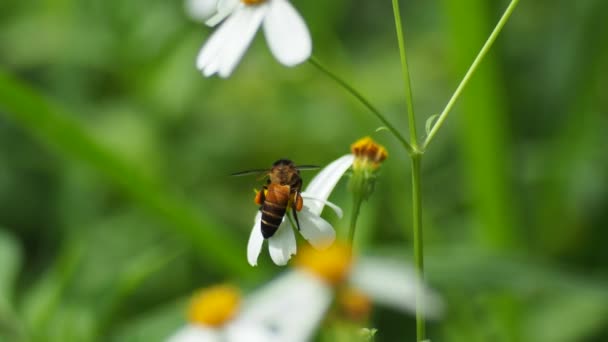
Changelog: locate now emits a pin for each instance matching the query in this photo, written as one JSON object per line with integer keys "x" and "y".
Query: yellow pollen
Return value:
{"x": 331, "y": 265}
{"x": 367, "y": 151}
{"x": 253, "y": 2}
{"x": 354, "y": 304}
{"x": 214, "y": 306}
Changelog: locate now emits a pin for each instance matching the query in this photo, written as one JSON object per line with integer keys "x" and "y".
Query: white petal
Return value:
{"x": 231, "y": 40}
{"x": 217, "y": 18}
{"x": 213, "y": 45}
{"x": 222, "y": 52}
{"x": 200, "y": 10}
{"x": 282, "y": 245}
{"x": 319, "y": 233}
{"x": 334, "y": 207}
{"x": 233, "y": 51}
{"x": 226, "y": 5}
{"x": 293, "y": 304}
{"x": 224, "y": 9}
{"x": 286, "y": 33}
{"x": 256, "y": 240}
{"x": 324, "y": 182}
{"x": 195, "y": 333}
{"x": 393, "y": 284}
{"x": 245, "y": 331}
{"x": 311, "y": 298}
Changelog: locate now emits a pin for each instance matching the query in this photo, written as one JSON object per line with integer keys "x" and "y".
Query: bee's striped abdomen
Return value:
{"x": 273, "y": 208}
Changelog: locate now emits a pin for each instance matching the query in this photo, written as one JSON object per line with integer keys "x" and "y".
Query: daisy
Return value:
{"x": 219, "y": 314}
{"x": 200, "y": 10}
{"x": 319, "y": 233}
{"x": 286, "y": 34}
{"x": 323, "y": 277}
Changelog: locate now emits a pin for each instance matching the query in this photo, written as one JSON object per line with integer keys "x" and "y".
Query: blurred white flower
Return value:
{"x": 200, "y": 10}
{"x": 321, "y": 276}
{"x": 320, "y": 234}
{"x": 286, "y": 34}
{"x": 392, "y": 283}
{"x": 216, "y": 315}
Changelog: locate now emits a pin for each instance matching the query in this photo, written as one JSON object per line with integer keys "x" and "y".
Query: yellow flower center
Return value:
{"x": 253, "y": 2}
{"x": 354, "y": 304}
{"x": 368, "y": 152}
{"x": 331, "y": 265}
{"x": 214, "y": 306}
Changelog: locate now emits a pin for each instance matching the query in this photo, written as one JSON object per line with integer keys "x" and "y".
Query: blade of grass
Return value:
{"x": 483, "y": 130}
{"x": 60, "y": 130}
{"x": 484, "y": 139}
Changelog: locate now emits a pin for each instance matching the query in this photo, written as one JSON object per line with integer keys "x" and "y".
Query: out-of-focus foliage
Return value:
{"x": 115, "y": 202}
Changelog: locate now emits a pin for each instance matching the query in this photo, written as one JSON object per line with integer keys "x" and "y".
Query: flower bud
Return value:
{"x": 369, "y": 155}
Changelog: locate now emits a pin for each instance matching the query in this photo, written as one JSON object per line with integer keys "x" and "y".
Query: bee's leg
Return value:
{"x": 295, "y": 216}
{"x": 299, "y": 202}
{"x": 260, "y": 196}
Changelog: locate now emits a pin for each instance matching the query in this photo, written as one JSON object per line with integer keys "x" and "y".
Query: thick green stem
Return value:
{"x": 418, "y": 246}
{"x": 482, "y": 53}
{"x": 406, "y": 75}
{"x": 364, "y": 101}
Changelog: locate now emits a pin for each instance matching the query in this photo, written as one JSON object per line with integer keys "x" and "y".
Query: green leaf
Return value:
{"x": 369, "y": 334}
{"x": 429, "y": 123}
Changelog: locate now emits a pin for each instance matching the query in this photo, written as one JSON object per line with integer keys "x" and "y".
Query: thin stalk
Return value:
{"x": 357, "y": 200}
{"x": 364, "y": 101}
{"x": 418, "y": 246}
{"x": 406, "y": 75}
{"x": 356, "y": 186}
{"x": 416, "y": 193}
{"x": 480, "y": 56}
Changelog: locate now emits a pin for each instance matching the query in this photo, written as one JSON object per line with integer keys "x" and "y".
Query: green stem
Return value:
{"x": 418, "y": 245}
{"x": 480, "y": 56}
{"x": 406, "y": 75}
{"x": 356, "y": 185}
{"x": 357, "y": 200}
{"x": 364, "y": 101}
{"x": 416, "y": 193}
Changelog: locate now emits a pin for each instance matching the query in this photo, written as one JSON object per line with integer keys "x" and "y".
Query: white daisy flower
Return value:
{"x": 286, "y": 34}
{"x": 322, "y": 276}
{"x": 319, "y": 233}
{"x": 217, "y": 315}
{"x": 200, "y": 10}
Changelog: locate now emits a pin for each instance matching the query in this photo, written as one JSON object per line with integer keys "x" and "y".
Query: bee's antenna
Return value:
{"x": 307, "y": 167}
{"x": 249, "y": 172}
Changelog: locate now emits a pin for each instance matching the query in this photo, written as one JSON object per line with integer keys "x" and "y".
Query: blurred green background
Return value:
{"x": 115, "y": 202}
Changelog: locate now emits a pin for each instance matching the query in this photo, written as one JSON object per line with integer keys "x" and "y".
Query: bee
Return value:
{"x": 281, "y": 192}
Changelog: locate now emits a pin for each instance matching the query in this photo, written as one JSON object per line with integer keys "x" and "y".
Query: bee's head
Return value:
{"x": 283, "y": 171}
{"x": 282, "y": 162}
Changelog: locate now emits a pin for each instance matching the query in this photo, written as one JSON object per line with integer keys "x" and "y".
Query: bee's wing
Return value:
{"x": 307, "y": 167}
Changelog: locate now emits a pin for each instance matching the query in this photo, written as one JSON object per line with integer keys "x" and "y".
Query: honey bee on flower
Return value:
{"x": 282, "y": 194}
